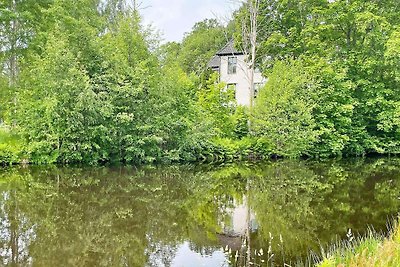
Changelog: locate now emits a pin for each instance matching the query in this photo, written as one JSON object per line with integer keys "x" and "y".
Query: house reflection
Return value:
{"x": 240, "y": 224}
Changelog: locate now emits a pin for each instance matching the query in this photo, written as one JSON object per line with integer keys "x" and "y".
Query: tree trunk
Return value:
{"x": 13, "y": 60}
{"x": 253, "y": 10}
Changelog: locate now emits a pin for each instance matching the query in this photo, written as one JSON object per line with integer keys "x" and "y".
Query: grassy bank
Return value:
{"x": 373, "y": 250}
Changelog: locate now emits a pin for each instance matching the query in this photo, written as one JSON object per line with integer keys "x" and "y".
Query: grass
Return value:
{"x": 372, "y": 250}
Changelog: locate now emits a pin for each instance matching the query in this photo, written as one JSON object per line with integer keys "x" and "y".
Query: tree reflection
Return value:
{"x": 266, "y": 214}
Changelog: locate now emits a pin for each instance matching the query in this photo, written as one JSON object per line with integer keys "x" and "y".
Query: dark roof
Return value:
{"x": 229, "y": 49}
{"x": 215, "y": 62}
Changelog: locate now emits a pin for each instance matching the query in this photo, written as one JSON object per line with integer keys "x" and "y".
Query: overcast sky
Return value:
{"x": 175, "y": 17}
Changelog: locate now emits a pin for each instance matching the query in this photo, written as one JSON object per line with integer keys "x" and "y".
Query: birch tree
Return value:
{"x": 247, "y": 20}
{"x": 9, "y": 28}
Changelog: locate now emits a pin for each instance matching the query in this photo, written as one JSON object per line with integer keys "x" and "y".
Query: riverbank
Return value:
{"x": 373, "y": 250}
{"x": 15, "y": 150}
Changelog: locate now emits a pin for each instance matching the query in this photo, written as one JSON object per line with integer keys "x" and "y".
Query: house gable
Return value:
{"x": 229, "y": 49}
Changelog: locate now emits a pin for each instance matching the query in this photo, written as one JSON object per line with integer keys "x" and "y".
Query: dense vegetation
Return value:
{"x": 87, "y": 82}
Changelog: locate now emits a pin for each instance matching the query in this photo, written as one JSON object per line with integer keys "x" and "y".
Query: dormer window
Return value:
{"x": 232, "y": 65}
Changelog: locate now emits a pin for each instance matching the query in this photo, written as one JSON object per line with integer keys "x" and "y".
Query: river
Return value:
{"x": 266, "y": 214}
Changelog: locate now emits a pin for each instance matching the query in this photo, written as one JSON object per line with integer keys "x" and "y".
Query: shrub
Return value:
{"x": 283, "y": 110}
{"x": 11, "y": 147}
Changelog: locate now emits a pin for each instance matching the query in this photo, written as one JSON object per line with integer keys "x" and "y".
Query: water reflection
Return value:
{"x": 267, "y": 214}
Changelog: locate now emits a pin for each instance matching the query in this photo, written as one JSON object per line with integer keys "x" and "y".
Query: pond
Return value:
{"x": 267, "y": 213}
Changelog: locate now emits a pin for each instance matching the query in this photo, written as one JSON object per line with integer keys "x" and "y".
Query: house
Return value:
{"x": 234, "y": 71}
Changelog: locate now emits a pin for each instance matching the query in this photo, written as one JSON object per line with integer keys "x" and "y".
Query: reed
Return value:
{"x": 374, "y": 249}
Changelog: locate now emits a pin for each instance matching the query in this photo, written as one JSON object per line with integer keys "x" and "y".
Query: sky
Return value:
{"x": 175, "y": 17}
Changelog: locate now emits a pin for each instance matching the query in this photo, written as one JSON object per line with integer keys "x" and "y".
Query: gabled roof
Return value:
{"x": 215, "y": 62}
{"x": 229, "y": 49}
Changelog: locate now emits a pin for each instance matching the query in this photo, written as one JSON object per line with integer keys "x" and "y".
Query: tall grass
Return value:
{"x": 372, "y": 250}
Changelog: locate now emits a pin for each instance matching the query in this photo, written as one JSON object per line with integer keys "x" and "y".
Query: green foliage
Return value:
{"x": 113, "y": 108}
{"x": 334, "y": 108}
{"x": 199, "y": 45}
{"x": 5, "y": 98}
{"x": 176, "y": 117}
{"x": 216, "y": 103}
{"x": 11, "y": 147}
{"x": 55, "y": 95}
{"x": 108, "y": 100}
{"x": 351, "y": 50}
{"x": 283, "y": 110}
{"x": 241, "y": 122}
{"x": 85, "y": 81}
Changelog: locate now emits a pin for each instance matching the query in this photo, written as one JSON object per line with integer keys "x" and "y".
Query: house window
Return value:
{"x": 257, "y": 87}
{"x": 232, "y": 65}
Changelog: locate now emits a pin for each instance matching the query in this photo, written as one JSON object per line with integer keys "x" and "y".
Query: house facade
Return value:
{"x": 233, "y": 70}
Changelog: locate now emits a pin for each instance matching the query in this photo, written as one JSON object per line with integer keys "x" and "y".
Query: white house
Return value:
{"x": 234, "y": 71}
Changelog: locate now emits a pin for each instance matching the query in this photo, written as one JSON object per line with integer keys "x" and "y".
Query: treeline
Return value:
{"x": 88, "y": 82}
{"x": 337, "y": 90}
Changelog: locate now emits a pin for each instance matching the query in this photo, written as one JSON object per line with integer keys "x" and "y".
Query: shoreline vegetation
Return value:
{"x": 14, "y": 151}
{"x": 92, "y": 84}
{"x": 375, "y": 249}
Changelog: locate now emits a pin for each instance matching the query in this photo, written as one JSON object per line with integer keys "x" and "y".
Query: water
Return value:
{"x": 267, "y": 213}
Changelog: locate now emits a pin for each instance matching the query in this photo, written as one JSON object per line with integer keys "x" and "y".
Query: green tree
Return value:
{"x": 348, "y": 46}
{"x": 283, "y": 111}
{"x": 56, "y": 95}
{"x": 199, "y": 45}
{"x": 20, "y": 21}
{"x": 216, "y": 104}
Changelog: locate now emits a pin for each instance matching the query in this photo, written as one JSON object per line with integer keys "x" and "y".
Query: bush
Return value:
{"x": 228, "y": 150}
{"x": 241, "y": 122}
{"x": 283, "y": 110}
{"x": 11, "y": 147}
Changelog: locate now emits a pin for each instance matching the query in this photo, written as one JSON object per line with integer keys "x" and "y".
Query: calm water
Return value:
{"x": 267, "y": 214}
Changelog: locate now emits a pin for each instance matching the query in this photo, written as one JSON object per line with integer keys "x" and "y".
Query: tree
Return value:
{"x": 247, "y": 21}
{"x": 101, "y": 95}
{"x": 19, "y": 24}
{"x": 198, "y": 46}
{"x": 283, "y": 111}
{"x": 346, "y": 46}
{"x": 216, "y": 104}
{"x": 55, "y": 96}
